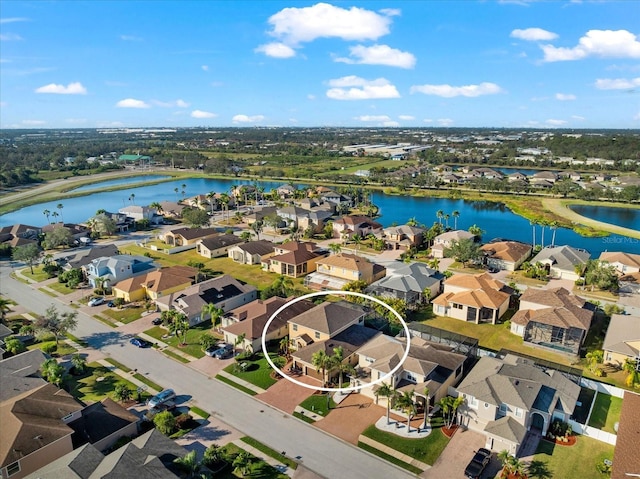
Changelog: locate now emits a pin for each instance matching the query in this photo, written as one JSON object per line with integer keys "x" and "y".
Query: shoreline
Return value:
{"x": 553, "y": 209}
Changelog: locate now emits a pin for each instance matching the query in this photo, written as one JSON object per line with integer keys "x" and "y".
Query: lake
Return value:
{"x": 497, "y": 220}
{"x": 119, "y": 182}
{"x": 626, "y": 217}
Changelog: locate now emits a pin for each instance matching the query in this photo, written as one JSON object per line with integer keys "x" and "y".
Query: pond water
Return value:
{"x": 626, "y": 217}
{"x": 497, "y": 220}
{"x": 118, "y": 182}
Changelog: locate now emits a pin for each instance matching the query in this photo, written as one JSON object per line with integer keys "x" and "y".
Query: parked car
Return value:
{"x": 479, "y": 461}
{"x": 162, "y": 397}
{"x": 220, "y": 351}
{"x": 165, "y": 406}
{"x": 111, "y": 304}
{"x": 139, "y": 342}
{"x": 96, "y": 301}
{"x": 157, "y": 321}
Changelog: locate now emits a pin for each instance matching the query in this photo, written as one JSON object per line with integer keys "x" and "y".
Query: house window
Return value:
{"x": 473, "y": 402}
{"x": 294, "y": 327}
{"x": 13, "y": 468}
{"x": 317, "y": 335}
{"x": 457, "y": 306}
{"x": 518, "y": 412}
{"x": 503, "y": 408}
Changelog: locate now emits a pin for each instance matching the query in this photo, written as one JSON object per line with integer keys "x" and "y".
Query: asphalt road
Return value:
{"x": 318, "y": 451}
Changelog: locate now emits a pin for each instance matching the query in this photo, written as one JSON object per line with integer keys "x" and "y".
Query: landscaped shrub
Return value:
{"x": 165, "y": 422}
{"x": 183, "y": 421}
{"x": 49, "y": 348}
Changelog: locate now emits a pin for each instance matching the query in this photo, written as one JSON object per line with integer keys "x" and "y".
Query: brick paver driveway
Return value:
{"x": 286, "y": 395}
{"x": 210, "y": 366}
{"x": 351, "y": 417}
{"x": 457, "y": 454}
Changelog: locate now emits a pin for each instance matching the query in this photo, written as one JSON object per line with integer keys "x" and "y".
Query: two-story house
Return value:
{"x": 505, "y": 398}
{"x": 111, "y": 269}
{"x": 476, "y": 298}
{"x": 336, "y": 271}
{"x": 444, "y": 241}
{"x": 403, "y": 237}
{"x": 294, "y": 258}
{"x": 346, "y": 227}
{"x": 415, "y": 283}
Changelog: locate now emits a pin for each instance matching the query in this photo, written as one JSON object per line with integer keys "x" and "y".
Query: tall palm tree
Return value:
{"x": 446, "y": 218}
{"x": 407, "y": 404}
{"x": 210, "y": 197}
{"x": 214, "y": 313}
{"x": 554, "y": 226}
{"x": 357, "y": 239}
{"x": 533, "y": 224}
{"x": 283, "y": 285}
{"x": 157, "y": 206}
{"x": 440, "y": 215}
{"x": 5, "y": 307}
{"x": 132, "y": 198}
{"x": 60, "y": 206}
{"x": 412, "y": 221}
{"x": 335, "y": 248}
{"x": 426, "y": 408}
{"x": 322, "y": 362}
{"x": 257, "y": 227}
{"x": 184, "y": 189}
{"x": 47, "y": 213}
{"x": 456, "y": 215}
{"x": 55, "y": 215}
{"x": 386, "y": 391}
{"x": 225, "y": 199}
{"x": 177, "y": 190}
{"x": 543, "y": 224}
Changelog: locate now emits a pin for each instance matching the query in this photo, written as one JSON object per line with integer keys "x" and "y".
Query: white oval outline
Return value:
{"x": 340, "y": 293}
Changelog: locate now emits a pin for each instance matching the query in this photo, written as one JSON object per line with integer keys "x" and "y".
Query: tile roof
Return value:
{"x": 562, "y": 309}
{"x": 159, "y": 280}
{"x": 220, "y": 241}
{"x": 481, "y": 291}
{"x": 507, "y": 250}
{"x": 452, "y": 235}
{"x": 626, "y": 460}
{"x": 350, "y": 262}
{"x": 621, "y": 257}
{"x": 328, "y": 318}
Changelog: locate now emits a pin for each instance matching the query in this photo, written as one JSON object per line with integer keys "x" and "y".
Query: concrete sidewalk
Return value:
{"x": 242, "y": 382}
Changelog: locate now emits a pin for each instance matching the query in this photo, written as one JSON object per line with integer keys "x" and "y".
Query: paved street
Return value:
{"x": 317, "y": 450}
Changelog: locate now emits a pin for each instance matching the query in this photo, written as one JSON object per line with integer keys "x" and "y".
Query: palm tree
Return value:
{"x": 440, "y": 215}
{"x": 406, "y": 402}
{"x": 282, "y": 285}
{"x": 79, "y": 363}
{"x": 184, "y": 188}
{"x": 246, "y": 236}
{"x": 242, "y": 462}
{"x": 322, "y": 362}
{"x": 176, "y": 190}
{"x": 60, "y": 206}
{"x": 533, "y": 224}
{"x": 47, "y": 213}
{"x": 225, "y": 199}
{"x": 157, "y": 206}
{"x": 284, "y": 346}
{"x": 210, "y": 197}
{"x": 338, "y": 357}
{"x": 5, "y": 307}
{"x": 257, "y": 227}
{"x": 357, "y": 239}
{"x": 52, "y": 371}
{"x": 412, "y": 221}
{"x": 630, "y": 367}
{"x": 553, "y": 226}
{"x": 426, "y": 408}
{"x": 213, "y": 312}
{"x": 475, "y": 230}
{"x": 388, "y": 392}
{"x": 132, "y": 197}
{"x": 456, "y": 215}
{"x": 188, "y": 463}
{"x": 446, "y": 219}
{"x": 543, "y": 224}
{"x": 335, "y": 248}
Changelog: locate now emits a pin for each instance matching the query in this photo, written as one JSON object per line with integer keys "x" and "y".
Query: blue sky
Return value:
{"x": 143, "y": 63}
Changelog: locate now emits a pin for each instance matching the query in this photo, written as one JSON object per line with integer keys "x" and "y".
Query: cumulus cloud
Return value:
{"x": 75, "y": 88}
{"x": 565, "y": 97}
{"x": 247, "y": 119}
{"x": 372, "y": 118}
{"x": 10, "y": 37}
{"x": 596, "y": 43}
{"x": 533, "y": 34}
{"x": 356, "y": 88}
{"x": 205, "y": 68}
{"x": 202, "y": 114}
{"x": 276, "y": 50}
{"x": 449, "y": 91}
{"x": 406, "y": 117}
{"x": 379, "y": 55}
{"x": 617, "y": 83}
{"x": 553, "y": 122}
{"x": 171, "y": 104}
{"x": 294, "y": 26}
{"x": 132, "y": 103}
{"x": 390, "y": 12}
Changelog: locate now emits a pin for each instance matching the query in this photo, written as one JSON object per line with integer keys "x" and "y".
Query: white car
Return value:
{"x": 162, "y": 397}
{"x": 96, "y": 301}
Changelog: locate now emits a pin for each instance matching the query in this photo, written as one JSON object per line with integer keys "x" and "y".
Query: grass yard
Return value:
{"x": 257, "y": 468}
{"x": 125, "y": 315}
{"x": 88, "y": 389}
{"x": 574, "y": 462}
{"x": 318, "y": 403}
{"x": 62, "y": 349}
{"x": 270, "y": 452}
{"x": 389, "y": 458}
{"x": 38, "y": 274}
{"x": 61, "y": 288}
{"x": 606, "y": 412}
{"x": 427, "y": 449}
{"x": 258, "y": 371}
{"x": 239, "y": 387}
{"x": 192, "y": 346}
{"x": 490, "y": 336}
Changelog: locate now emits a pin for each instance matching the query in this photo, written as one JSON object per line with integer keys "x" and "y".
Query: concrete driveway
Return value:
{"x": 212, "y": 431}
{"x": 455, "y": 457}
{"x": 210, "y": 366}
{"x": 286, "y": 395}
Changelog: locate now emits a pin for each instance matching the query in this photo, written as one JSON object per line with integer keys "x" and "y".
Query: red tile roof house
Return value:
{"x": 506, "y": 255}
{"x": 294, "y": 258}
{"x": 348, "y": 226}
{"x": 252, "y": 318}
{"x": 553, "y": 318}
{"x": 476, "y": 298}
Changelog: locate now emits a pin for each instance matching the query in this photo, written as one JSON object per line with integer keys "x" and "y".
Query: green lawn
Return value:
{"x": 61, "y": 288}
{"x": 606, "y": 412}
{"x": 257, "y": 373}
{"x": 239, "y": 387}
{"x": 192, "y": 346}
{"x": 270, "y": 452}
{"x": 318, "y": 403}
{"x": 389, "y": 458}
{"x": 125, "y": 315}
{"x": 62, "y": 350}
{"x": 427, "y": 449}
{"x": 37, "y": 275}
{"x": 258, "y": 469}
{"x": 574, "y": 462}
{"x": 87, "y": 389}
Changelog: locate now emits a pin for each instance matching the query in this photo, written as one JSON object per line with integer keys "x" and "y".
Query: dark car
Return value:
{"x": 220, "y": 351}
{"x": 480, "y": 460}
{"x": 157, "y": 321}
{"x": 111, "y": 304}
{"x": 139, "y": 342}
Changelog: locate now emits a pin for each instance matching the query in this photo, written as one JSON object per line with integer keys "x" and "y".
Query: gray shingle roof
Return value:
{"x": 507, "y": 428}
{"x": 562, "y": 257}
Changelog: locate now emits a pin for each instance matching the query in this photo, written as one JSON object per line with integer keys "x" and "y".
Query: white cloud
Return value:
{"x": 577, "y": 117}
{"x": 205, "y": 68}
{"x": 13, "y": 20}
{"x": 565, "y": 97}
{"x": 533, "y": 34}
{"x": 449, "y": 91}
{"x": 617, "y": 83}
{"x": 596, "y": 43}
{"x": 391, "y": 12}
{"x": 311, "y": 97}
{"x": 202, "y": 114}
{"x": 130, "y": 38}
{"x": 428, "y": 120}
{"x": 390, "y": 124}
{"x": 356, "y": 88}
{"x": 372, "y": 118}
{"x": 171, "y": 104}
{"x": 406, "y": 117}
{"x": 294, "y": 26}
{"x": 247, "y": 119}
{"x": 33, "y": 122}
{"x": 10, "y": 37}
{"x": 276, "y": 50}
{"x": 75, "y": 88}
{"x": 379, "y": 55}
{"x": 553, "y": 122}
{"x": 132, "y": 103}
{"x": 445, "y": 121}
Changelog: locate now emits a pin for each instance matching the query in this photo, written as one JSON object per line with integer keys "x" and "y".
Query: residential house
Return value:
{"x": 338, "y": 199}
{"x": 444, "y": 241}
{"x": 476, "y": 298}
{"x": 250, "y": 320}
{"x": 259, "y": 214}
{"x": 294, "y": 258}
{"x": 139, "y": 213}
{"x": 217, "y": 246}
{"x": 171, "y": 209}
{"x": 429, "y": 367}
{"x": 20, "y": 374}
{"x": 625, "y": 263}
{"x": 336, "y": 271}
{"x": 505, "y": 398}
{"x": 224, "y": 292}
{"x": 188, "y": 236}
{"x": 561, "y": 261}
{"x": 155, "y": 284}
{"x": 517, "y": 176}
{"x": 346, "y": 227}
{"x": 76, "y": 231}
{"x": 403, "y": 237}
{"x": 112, "y": 269}
{"x": 149, "y": 456}
{"x": 285, "y": 191}
{"x": 506, "y": 255}
{"x": 626, "y": 460}
{"x": 622, "y": 341}
{"x": 83, "y": 257}
{"x": 553, "y": 318}
{"x": 326, "y": 327}
{"x": 544, "y": 176}
{"x": 251, "y": 252}
{"x": 415, "y": 283}
{"x": 19, "y": 234}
